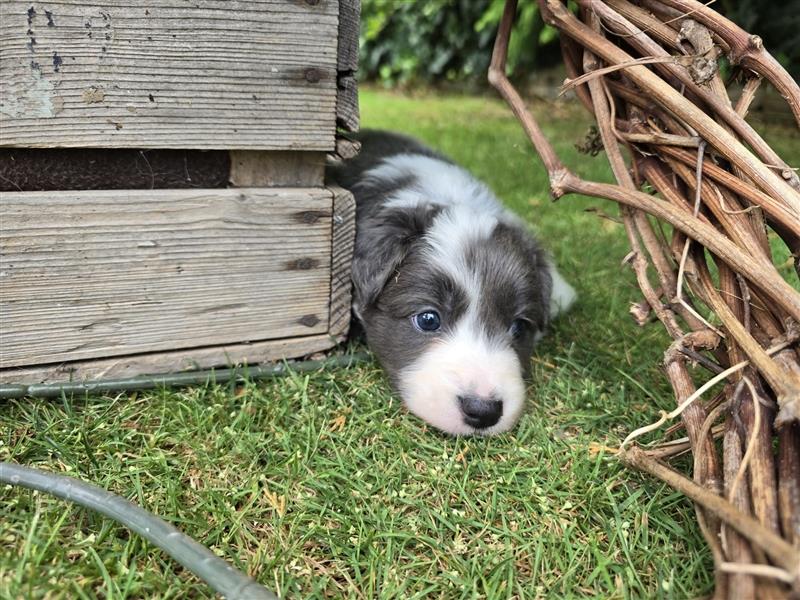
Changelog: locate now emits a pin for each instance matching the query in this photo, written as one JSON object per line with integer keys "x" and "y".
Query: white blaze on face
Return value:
{"x": 463, "y": 364}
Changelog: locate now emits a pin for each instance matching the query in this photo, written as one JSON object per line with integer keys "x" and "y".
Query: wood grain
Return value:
{"x": 349, "y": 27}
{"x": 347, "y": 111}
{"x": 344, "y": 234}
{"x": 104, "y": 273}
{"x": 277, "y": 169}
{"x": 170, "y": 362}
{"x": 348, "y": 116}
{"x": 210, "y": 74}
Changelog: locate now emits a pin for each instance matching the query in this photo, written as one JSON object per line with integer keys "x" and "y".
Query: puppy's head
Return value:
{"x": 452, "y": 301}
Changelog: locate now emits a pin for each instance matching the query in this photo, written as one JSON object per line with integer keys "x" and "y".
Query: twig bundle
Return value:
{"x": 723, "y": 201}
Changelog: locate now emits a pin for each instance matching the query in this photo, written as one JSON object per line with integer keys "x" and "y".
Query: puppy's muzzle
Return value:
{"x": 480, "y": 413}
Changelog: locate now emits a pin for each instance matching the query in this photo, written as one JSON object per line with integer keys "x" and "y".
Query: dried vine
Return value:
{"x": 647, "y": 70}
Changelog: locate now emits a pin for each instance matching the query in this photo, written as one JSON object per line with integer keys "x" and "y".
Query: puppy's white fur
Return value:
{"x": 463, "y": 362}
{"x": 437, "y": 182}
{"x": 564, "y": 294}
{"x": 452, "y": 231}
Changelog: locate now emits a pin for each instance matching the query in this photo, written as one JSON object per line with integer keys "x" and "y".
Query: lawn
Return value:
{"x": 321, "y": 485}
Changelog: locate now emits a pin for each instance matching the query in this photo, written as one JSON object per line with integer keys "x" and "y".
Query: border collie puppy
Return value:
{"x": 450, "y": 287}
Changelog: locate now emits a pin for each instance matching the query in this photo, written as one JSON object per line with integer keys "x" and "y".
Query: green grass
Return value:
{"x": 322, "y": 485}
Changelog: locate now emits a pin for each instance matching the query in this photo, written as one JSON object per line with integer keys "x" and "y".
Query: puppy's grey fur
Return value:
{"x": 432, "y": 239}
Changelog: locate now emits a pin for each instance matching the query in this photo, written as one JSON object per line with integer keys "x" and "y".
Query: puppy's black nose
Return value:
{"x": 480, "y": 413}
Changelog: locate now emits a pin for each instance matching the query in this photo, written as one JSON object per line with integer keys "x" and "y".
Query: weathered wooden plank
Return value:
{"x": 38, "y": 169}
{"x": 346, "y": 148}
{"x": 281, "y": 169}
{"x": 349, "y": 22}
{"x": 170, "y": 362}
{"x": 211, "y": 74}
{"x": 100, "y": 274}
{"x": 347, "y": 112}
{"x": 344, "y": 233}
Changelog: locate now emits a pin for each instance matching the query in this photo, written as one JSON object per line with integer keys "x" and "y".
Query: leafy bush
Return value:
{"x": 778, "y": 24}
{"x": 443, "y": 40}
{"x": 405, "y": 41}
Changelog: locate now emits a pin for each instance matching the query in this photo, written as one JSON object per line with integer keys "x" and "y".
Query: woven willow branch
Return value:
{"x": 647, "y": 71}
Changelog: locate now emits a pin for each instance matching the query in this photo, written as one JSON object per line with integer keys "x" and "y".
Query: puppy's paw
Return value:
{"x": 563, "y": 296}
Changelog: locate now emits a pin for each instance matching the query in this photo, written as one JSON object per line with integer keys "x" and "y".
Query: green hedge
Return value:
{"x": 408, "y": 41}
{"x": 443, "y": 40}
{"x": 778, "y": 24}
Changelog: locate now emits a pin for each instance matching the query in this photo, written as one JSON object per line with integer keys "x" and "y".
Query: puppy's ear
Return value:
{"x": 383, "y": 241}
{"x": 539, "y": 271}
{"x": 553, "y": 291}
{"x": 541, "y": 274}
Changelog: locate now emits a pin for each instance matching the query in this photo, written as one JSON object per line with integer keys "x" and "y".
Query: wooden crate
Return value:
{"x": 256, "y": 74}
{"x": 239, "y": 98}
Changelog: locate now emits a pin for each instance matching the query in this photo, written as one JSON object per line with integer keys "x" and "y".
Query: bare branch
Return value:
{"x": 780, "y": 551}
{"x": 713, "y": 204}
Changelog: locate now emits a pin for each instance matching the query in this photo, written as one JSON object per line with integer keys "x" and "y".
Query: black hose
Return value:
{"x": 217, "y": 573}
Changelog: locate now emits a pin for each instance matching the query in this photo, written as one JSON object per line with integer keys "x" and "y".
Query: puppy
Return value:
{"x": 451, "y": 289}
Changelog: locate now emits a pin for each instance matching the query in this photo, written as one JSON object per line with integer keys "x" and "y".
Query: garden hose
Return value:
{"x": 218, "y": 574}
{"x": 222, "y": 577}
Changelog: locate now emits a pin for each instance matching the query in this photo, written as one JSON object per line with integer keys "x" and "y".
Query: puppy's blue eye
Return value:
{"x": 427, "y": 321}
{"x": 518, "y": 327}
